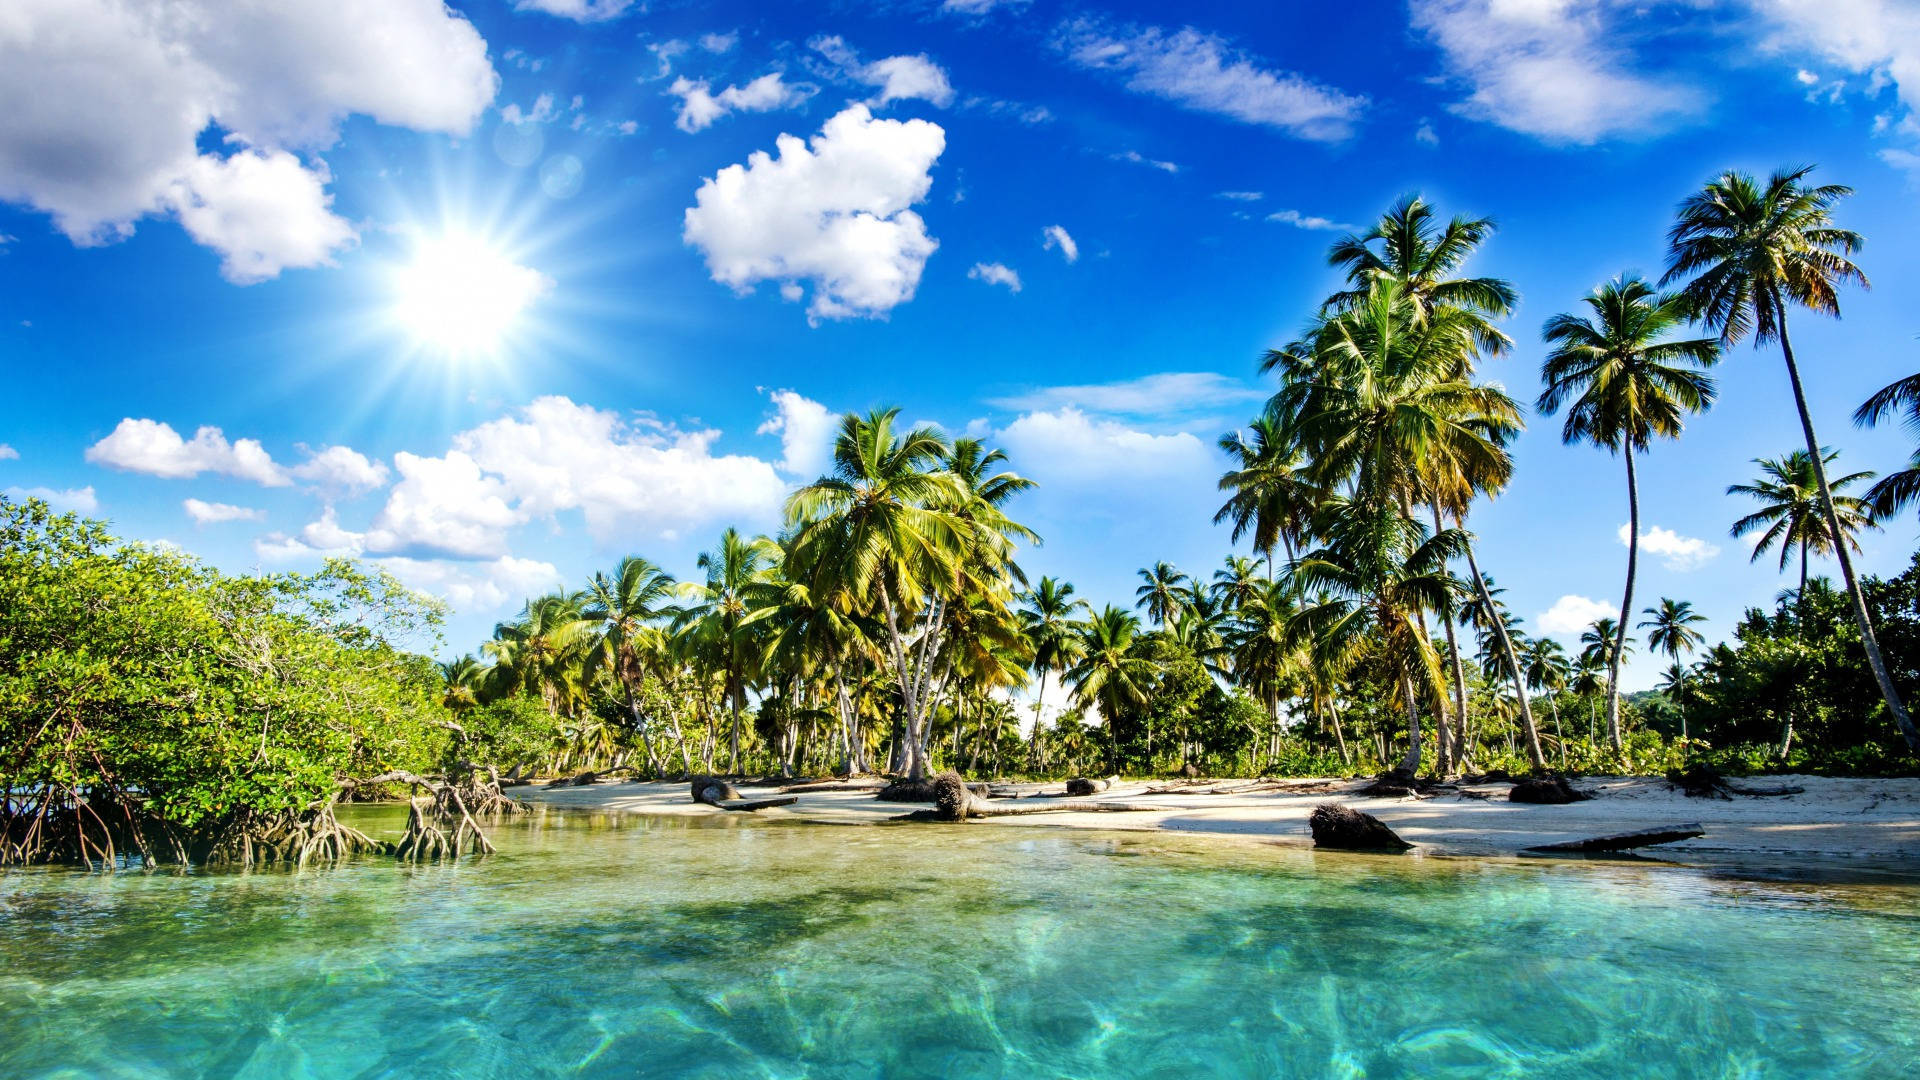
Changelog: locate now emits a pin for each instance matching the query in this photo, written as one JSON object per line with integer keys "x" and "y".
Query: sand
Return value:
{"x": 1875, "y": 821}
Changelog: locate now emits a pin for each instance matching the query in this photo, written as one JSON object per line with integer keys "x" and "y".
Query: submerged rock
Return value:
{"x": 1343, "y": 827}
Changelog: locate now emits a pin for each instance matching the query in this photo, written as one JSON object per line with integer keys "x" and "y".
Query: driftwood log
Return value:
{"x": 1627, "y": 841}
{"x": 1347, "y": 829}
{"x": 956, "y": 800}
{"x": 718, "y": 793}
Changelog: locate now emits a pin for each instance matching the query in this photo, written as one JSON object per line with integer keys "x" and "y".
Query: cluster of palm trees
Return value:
{"x": 889, "y": 622}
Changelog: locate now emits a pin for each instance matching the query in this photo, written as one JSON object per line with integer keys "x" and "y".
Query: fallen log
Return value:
{"x": 1346, "y": 829}
{"x": 724, "y": 796}
{"x": 1627, "y": 841}
{"x": 1080, "y": 785}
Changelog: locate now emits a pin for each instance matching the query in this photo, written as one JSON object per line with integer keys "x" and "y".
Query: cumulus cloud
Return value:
{"x": 895, "y": 78}
{"x": 1572, "y": 614}
{"x": 1135, "y": 157}
{"x": 154, "y": 448}
{"x": 806, "y": 429}
{"x": 213, "y": 513}
{"x": 1676, "y": 552}
{"x": 8, "y": 453}
{"x": 1307, "y": 221}
{"x": 700, "y": 107}
{"x": 626, "y": 477}
{"x": 996, "y": 274}
{"x": 107, "y": 103}
{"x": 1556, "y": 69}
{"x": 719, "y": 43}
{"x": 834, "y": 214}
{"x": 322, "y": 538}
{"x": 69, "y": 500}
{"x": 341, "y": 472}
{"x": 1056, "y": 236}
{"x": 1204, "y": 73}
{"x": 583, "y": 11}
{"x": 1147, "y": 395}
{"x": 1069, "y": 448}
{"x": 505, "y": 582}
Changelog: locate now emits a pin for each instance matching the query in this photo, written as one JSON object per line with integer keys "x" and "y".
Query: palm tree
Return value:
{"x": 1547, "y": 670}
{"x": 1670, "y": 630}
{"x": 1264, "y": 650}
{"x": 1056, "y": 639}
{"x": 718, "y": 619}
{"x": 1272, "y": 500}
{"x": 1625, "y": 384}
{"x": 464, "y": 679}
{"x": 1164, "y": 593}
{"x": 1588, "y": 680}
{"x": 1791, "y": 514}
{"x": 880, "y": 531}
{"x": 1898, "y": 489}
{"x": 1751, "y": 250}
{"x": 1407, "y": 247}
{"x": 541, "y": 651}
{"x": 1237, "y": 581}
{"x": 621, "y": 606}
{"x": 1108, "y": 675}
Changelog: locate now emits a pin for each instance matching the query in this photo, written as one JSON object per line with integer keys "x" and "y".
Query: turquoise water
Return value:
{"x": 598, "y": 947}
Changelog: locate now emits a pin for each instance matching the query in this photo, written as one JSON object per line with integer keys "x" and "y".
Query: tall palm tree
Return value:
{"x": 1751, "y": 250}
{"x": 1271, "y": 498}
{"x": 1409, "y": 247}
{"x": 541, "y": 651}
{"x": 621, "y": 606}
{"x": 1547, "y": 671}
{"x": 1792, "y": 515}
{"x": 717, "y": 617}
{"x": 1237, "y": 581}
{"x": 1055, "y": 635}
{"x": 1588, "y": 679}
{"x": 1108, "y": 675}
{"x": 1163, "y": 594}
{"x": 464, "y": 679}
{"x": 1625, "y": 382}
{"x": 1264, "y": 649}
{"x": 1670, "y": 630}
{"x": 881, "y": 531}
{"x": 1897, "y": 490}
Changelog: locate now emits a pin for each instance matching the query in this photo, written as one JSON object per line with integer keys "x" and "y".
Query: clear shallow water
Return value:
{"x": 619, "y": 947}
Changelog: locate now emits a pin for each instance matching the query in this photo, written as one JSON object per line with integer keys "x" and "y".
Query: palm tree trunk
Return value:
{"x": 1558, "y": 731}
{"x": 1339, "y": 736}
{"x": 1800, "y": 598}
{"x": 1875, "y": 660}
{"x": 1039, "y": 699}
{"x": 1410, "y": 762}
{"x": 915, "y": 756}
{"x": 1626, "y": 601}
{"x": 1512, "y": 659}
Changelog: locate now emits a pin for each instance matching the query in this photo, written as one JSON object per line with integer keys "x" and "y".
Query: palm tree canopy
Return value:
{"x": 1670, "y": 625}
{"x": 1790, "y": 515}
{"x": 1624, "y": 379}
{"x": 1163, "y": 594}
{"x": 1409, "y": 246}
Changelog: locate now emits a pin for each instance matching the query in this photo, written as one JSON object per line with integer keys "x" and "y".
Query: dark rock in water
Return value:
{"x": 907, "y": 791}
{"x": 713, "y": 789}
{"x": 1548, "y": 791}
{"x": 1343, "y": 827}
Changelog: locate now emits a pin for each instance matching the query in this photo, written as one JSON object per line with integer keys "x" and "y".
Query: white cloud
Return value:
{"x": 1560, "y": 70}
{"x": 699, "y": 107}
{"x": 895, "y": 77}
{"x": 341, "y": 472}
{"x": 627, "y": 478}
{"x": 154, "y": 448}
{"x": 323, "y": 538}
{"x": 1056, "y": 236}
{"x": 1149, "y": 395}
{"x": 70, "y": 500}
{"x": 996, "y": 274}
{"x": 213, "y": 513}
{"x": 1306, "y": 221}
{"x": 1876, "y": 38}
{"x": 1202, "y": 72}
{"x": 1676, "y": 552}
{"x": 806, "y": 429}
{"x": 1572, "y": 614}
{"x": 719, "y": 43}
{"x": 1425, "y": 135}
{"x": 1135, "y": 157}
{"x": 261, "y": 212}
{"x": 8, "y": 453}
{"x": 584, "y": 11}
{"x": 1068, "y": 448}
{"x": 834, "y": 214}
{"x": 472, "y": 587}
{"x": 1241, "y": 196}
{"x": 107, "y": 102}
{"x": 979, "y": 7}
{"x": 541, "y": 111}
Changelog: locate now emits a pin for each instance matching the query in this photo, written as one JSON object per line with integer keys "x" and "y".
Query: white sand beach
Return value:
{"x": 1868, "y": 819}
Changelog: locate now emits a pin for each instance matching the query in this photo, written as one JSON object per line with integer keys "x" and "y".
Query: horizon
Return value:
{"x": 1083, "y": 228}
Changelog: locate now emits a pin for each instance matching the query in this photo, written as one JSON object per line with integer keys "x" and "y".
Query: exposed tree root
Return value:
{"x": 1343, "y": 827}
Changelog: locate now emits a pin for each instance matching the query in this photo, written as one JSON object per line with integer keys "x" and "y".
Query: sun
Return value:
{"x": 460, "y": 295}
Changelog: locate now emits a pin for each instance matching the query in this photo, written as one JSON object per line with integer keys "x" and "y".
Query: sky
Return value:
{"x": 493, "y": 293}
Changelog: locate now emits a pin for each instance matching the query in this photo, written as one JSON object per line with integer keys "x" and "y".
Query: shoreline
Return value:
{"x": 1870, "y": 820}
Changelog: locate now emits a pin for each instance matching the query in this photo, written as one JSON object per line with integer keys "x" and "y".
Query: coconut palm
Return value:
{"x": 1163, "y": 594}
{"x": 1897, "y": 490}
{"x": 1108, "y": 676}
{"x": 1055, "y": 637}
{"x": 1547, "y": 671}
{"x": 880, "y": 532}
{"x": 464, "y": 679}
{"x": 1588, "y": 679}
{"x": 621, "y": 606}
{"x": 1669, "y": 627}
{"x": 1263, "y": 650}
{"x": 1272, "y": 500}
{"x": 717, "y": 618}
{"x": 1624, "y": 381}
{"x": 1791, "y": 515}
{"x": 1408, "y": 247}
{"x": 541, "y": 651}
{"x": 1237, "y": 581}
{"x": 1750, "y": 250}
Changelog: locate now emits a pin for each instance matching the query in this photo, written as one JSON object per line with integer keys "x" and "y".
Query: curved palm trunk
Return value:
{"x": 1039, "y": 699}
{"x": 1512, "y": 660}
{"x": 1461, "y": 755}
{"x": 1875, "y": 660}
{"x": 1339, "y": 736}
{"x": 1559, "y": 732}
{"x": 1626, "y": 601}
{"x": 640, "y": 726}
{"x": 1410, "y": 761}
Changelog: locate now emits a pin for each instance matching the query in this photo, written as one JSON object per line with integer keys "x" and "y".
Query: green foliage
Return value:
{"x": 510, "y": 731}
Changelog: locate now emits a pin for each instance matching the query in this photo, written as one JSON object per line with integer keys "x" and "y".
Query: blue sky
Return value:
{"x": 1071, "y": 228}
